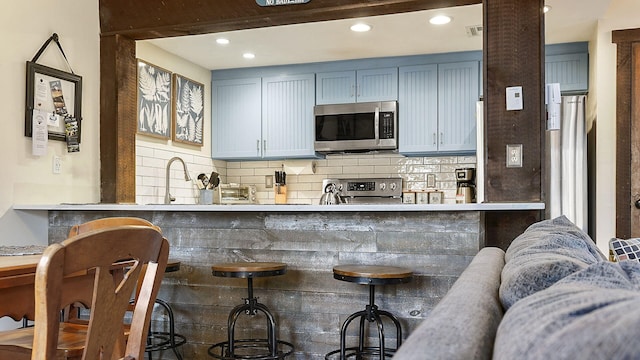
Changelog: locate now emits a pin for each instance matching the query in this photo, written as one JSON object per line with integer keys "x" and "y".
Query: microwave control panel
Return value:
{"x": 386, "y": 127}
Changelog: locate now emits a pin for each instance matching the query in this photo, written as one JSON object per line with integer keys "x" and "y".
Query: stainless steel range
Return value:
{"x": 365, "y": 190}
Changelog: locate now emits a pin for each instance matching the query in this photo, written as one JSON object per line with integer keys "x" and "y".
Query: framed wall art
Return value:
{"x": 54, "y": 98}
{"x": 154, "y": 100}
{"x": 188, "y": 114}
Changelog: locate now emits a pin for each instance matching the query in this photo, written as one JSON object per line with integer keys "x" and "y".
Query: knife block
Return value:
{"x": 280, "y": 192}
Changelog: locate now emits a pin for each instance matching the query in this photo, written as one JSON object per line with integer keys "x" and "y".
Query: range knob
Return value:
{"x": 383, "y": 186}
{"x": 393, "y": 186}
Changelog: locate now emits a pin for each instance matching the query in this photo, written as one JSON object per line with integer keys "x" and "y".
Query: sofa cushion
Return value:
{"x": 592, "y": 314}
{"x": 545, "y": 253}
{"x": 463, "y": 324}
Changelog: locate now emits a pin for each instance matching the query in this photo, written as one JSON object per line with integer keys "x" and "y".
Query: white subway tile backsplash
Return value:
{"x": 302, "y": 189}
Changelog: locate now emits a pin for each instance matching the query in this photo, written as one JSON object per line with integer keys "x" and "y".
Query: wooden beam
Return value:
{"x": 514, "y": 56}
{"x": 147, "y": 19}
{"x": 627, "y": 112}
{"x": 118, "y": 93}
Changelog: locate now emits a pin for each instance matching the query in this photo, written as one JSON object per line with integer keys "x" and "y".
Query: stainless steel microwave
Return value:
{"x": 356, "y": 127}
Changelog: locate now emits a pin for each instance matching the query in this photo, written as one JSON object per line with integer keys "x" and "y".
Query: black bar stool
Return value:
{"x": 263, "y": 349}
{"x": 371, "y": 275}
{"x": 161, "y": 340}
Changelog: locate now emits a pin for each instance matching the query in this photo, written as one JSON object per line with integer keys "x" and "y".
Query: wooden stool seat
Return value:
{"x": 372, "y": 274}
{"x": 172, "y": 266}
{"x": 249, "y": 269}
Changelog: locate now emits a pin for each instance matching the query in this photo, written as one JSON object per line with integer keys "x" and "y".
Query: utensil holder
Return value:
{"x": 206, "y": 197}
{"x": 280, "y": 194}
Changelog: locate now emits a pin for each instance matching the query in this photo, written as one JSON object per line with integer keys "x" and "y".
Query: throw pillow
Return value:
{"x": 625, "y": 249}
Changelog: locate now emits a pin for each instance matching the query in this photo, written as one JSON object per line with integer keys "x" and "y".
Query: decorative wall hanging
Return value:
{"x": 54, "y": 98}
{"x": 154, "y": 100}
{"x": 188, "y": 111}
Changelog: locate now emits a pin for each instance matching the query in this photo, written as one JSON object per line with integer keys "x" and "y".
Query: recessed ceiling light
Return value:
{"x": 222, "y": 41}
{"x": 546, "y": 8}
{"x": 248, "y": 55}
{"x": 440, "y": 20}
{"x": 360, "y": 27}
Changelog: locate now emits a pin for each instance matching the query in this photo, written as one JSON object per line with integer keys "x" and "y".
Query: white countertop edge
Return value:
{"x": 285, "y": 208}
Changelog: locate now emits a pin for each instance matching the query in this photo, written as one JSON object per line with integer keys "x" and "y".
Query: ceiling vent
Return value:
{"x": 474, "y": 30}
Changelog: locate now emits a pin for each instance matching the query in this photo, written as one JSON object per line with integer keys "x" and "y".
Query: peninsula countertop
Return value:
{"x": 503, "y": 206}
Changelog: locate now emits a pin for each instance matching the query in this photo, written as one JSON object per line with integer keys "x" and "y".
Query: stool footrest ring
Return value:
{"x": 252, "y": 349}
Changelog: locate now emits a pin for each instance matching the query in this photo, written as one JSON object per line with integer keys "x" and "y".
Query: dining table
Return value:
{"x": 17, "y": 276}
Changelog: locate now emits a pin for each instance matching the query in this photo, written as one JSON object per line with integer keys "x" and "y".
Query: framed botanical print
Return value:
{"x": 154, "y": 100}
{"x": 188, "y": 111}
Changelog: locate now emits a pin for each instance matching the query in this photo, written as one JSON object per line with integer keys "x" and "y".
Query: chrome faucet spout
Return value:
{"x": 167, "y": 195}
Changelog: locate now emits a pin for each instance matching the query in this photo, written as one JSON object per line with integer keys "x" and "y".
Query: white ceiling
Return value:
{"x": 391, "y": 35}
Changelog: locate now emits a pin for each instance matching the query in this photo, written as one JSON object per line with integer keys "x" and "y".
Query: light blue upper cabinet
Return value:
{"x": 437, "y": 108}
{"x": 458, "y": 92}
{"x": 570, "y": 70}
{"x": 287, "y": 116}
{"x": 418, "y": 109}
{"x": 236, "y": 118}
{"x": 342, "y": 87}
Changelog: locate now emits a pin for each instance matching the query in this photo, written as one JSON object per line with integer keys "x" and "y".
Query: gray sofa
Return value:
{"x": 552, "y": 295}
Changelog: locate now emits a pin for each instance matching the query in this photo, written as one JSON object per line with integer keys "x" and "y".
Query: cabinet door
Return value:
{"x": 457, "y": 96}
{"x": 287, "y": 116}
{"x": 235, "y": 115}
{"x": 418, "y": 109}
{"x": 338, "y": 87}
{"x": 377, "y": 85}
{"x": 570, "y": 70}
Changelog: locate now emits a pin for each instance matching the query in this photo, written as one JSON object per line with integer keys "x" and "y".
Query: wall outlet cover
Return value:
{"x": 514, "y": 155}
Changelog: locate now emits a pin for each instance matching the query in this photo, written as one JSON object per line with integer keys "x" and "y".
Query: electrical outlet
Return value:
{"x": 268, "y": 181}
{"x": 514, "y": 155}
{"x": 57, "y": 164}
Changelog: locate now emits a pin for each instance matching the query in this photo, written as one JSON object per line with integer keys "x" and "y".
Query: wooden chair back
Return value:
{"x": 108, "y": 222}
{"x": 95, "y": 251}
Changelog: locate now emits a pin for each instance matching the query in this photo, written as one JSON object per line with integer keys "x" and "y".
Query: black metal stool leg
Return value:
{"x": 251, "y": 306}
{"x": 168, "y": 338}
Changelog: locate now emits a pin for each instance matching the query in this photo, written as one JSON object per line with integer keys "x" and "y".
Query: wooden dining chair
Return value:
{"x": 93, "y": 254}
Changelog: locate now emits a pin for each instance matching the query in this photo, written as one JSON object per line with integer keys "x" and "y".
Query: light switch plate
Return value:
{"x": 514, "y": 155}
{"x": 514, "y": 98}
{"x": 268, "y": 181}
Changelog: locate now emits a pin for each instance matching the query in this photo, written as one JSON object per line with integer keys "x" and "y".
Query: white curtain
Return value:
{"x": 568, "y": 163}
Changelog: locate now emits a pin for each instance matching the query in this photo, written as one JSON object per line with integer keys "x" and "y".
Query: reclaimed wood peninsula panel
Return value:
{"x": 308, "y": 303}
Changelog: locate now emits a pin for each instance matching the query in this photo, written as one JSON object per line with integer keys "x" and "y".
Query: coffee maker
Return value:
{"x": 466, "y": 186}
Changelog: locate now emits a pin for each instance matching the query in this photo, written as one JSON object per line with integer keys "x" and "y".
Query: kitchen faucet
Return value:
{"x": 167, "y": 196}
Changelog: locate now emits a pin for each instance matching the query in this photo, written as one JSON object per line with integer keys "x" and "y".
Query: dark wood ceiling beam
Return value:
{"x": 156, "y": 19}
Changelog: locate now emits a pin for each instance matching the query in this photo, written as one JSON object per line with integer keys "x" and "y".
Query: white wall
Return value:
{"x": 622, "y": 14}
{"x": 26, "y": 178}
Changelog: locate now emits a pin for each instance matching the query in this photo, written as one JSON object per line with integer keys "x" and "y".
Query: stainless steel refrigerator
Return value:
{"x": 566, "y": 160}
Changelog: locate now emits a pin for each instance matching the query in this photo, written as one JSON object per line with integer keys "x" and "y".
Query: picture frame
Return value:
{"x": 188, "y": 111}
{"x": 154, "y": 100}
{"x": 55, "y": 95}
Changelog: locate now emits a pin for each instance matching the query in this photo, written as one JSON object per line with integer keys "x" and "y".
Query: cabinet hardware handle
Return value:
{"x": 434, "y": 138}
{"x": 264, "y": 145}
{"x": 258, "y": 146}
{"x": 353, "y": 90}
{"x": 441, "y": 137}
